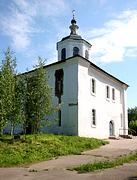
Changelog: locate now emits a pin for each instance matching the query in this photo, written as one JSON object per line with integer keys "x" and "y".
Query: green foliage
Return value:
{"x": 37, "y": 97}
{"x": 133, "y": 126}
{"x": 25, "y": 99}
{"x": 90, "y": 167}
{"x": 9, "y": 111}
{"x": 21, "y": 100}
{"x": 132, "y": 114}
{"x": 28, "y": 150}
{"x": 132, "y": 119}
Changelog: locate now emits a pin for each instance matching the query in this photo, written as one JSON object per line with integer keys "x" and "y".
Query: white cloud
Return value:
{"x": 51, "y": 7}
{"x": 131, "y": 52}
{"x": 117, "y": 39}
{"x": 17, "y": 24}
{"x": 20, "y": 21}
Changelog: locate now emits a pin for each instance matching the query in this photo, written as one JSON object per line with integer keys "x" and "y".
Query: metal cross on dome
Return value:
{"x": 73, "y": 12}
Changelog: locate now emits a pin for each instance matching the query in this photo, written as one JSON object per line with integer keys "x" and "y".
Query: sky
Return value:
{"x": 31, "y": 28}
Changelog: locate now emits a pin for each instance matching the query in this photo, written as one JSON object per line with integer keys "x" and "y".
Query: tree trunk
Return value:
{"x": 12, "y": 130}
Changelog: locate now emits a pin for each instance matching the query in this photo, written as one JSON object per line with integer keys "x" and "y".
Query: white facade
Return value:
{"x": 93, "y": 101}
{"x": 69, "y": 99}
{"x": 107, "y": 109}
{"x": 78, "y": 100}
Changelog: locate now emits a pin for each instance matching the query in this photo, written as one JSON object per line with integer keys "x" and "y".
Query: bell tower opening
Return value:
{"x": 63, "y": 54}
{"x": 75, "y": 51}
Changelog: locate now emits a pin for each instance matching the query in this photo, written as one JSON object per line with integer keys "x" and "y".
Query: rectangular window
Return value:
{"x": 113, "y": 94}
{"x": 59, "y": 82}
{"x": 59, "y": 116}
{"x": 93, "y": 117}
{"x": 107, "y": 92}
{"x": 93, "y": 86}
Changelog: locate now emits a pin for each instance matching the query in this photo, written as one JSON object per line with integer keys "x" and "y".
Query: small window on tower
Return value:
{"x": 86, "y": 54}
{"x": 63, "y": 54}
{"x": 75, "y": 51}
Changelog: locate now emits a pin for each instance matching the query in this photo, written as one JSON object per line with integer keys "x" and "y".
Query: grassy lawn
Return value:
{"x": 90, "y": 167}
{"x": 44, "y": 147}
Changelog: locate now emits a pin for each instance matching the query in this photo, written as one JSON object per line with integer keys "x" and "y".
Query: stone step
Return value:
{"x": 126, "y": 136}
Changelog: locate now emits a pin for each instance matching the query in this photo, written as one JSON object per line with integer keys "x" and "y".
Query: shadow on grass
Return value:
{"x": 10, "y": 139}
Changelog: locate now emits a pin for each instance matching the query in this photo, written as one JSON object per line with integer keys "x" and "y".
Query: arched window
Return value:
{"x": 93, "y": 86}
{"x": 63, "y": 54}
{"x": 86, "y": 54}
{"x": 107, "y": 92}
{"x": 93, "y": 117}
{"x": 75, "y": 51}
{"x": 113, "y": 94}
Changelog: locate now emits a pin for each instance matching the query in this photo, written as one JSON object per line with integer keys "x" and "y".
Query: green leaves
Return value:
{"x": 132, "y": 114}
{"x": 25, "y": 99}
{"x": 38, "y": 96}
{"x": 8, "y": 108}
{"x": 132, "y": 119}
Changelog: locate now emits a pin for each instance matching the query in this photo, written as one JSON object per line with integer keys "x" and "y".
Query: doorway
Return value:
{"x": 111, "y": 128}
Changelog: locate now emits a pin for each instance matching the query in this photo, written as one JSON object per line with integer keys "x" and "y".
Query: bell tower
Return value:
{"x": 73, "y": 44}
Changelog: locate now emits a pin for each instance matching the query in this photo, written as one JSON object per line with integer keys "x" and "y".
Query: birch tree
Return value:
{"x": 8, "y": 95}
{"x": 38, "y": 97}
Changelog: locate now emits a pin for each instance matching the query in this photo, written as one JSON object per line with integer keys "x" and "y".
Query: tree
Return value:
{"x": 132, "y": 114}
{"x": 132, "y": 119}
{"x": 9, "y": 112}
{"x": 133, "y": 127}
{"x": 22, "y": 100}
{"x": 25, "y": 99}
{"x": 2, "y": 106}
{"x": 38, "y": 97}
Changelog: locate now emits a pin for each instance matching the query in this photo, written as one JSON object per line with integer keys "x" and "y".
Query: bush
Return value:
{"x": 133, "y": 125}
{"x": 132, "y": 114}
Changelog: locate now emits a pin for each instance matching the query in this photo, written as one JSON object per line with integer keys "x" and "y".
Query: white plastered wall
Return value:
{"x": 69, "y": 107}
{"x": 106, "y": 110}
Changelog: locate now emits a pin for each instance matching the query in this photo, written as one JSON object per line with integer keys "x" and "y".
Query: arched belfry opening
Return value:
{"x": 86, "y": 54}
{"x": 63, "y": 54}
{"x": 75, "y": 51}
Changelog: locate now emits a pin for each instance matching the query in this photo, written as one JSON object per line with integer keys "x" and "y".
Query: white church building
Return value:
{"x": 93, "y": 102}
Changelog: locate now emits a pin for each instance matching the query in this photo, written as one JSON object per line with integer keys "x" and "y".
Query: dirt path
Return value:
{"x": 56, "y": 169}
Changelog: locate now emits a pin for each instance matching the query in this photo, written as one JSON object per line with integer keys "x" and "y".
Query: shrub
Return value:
{"x": 133, "y": 125}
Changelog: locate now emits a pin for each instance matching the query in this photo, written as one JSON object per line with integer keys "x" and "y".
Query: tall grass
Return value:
{"x": 31, "y": 149}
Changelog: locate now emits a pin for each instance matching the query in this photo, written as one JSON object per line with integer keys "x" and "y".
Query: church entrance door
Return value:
{"x": 111, "y": 128}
